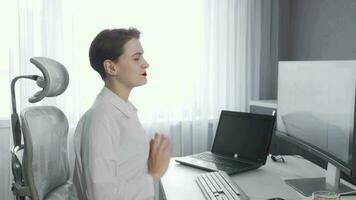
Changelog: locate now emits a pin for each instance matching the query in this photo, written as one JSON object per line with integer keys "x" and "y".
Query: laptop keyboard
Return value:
{"x": 218, "y": 185}
{"x": 220, "y": 160}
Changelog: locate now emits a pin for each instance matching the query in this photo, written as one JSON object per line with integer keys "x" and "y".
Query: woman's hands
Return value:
{"x": 160, "y": 153}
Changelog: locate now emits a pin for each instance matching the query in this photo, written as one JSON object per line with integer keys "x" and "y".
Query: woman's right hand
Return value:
{"x": 160, "y": 153}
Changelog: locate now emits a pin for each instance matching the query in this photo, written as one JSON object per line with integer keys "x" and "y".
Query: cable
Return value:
{"x": 277, "y": 158}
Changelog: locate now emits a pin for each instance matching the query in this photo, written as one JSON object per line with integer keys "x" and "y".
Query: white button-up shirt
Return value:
{"x": 111, "y": 149}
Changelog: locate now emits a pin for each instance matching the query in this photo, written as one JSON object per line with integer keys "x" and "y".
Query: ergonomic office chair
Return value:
{"x": 44, "y": 171}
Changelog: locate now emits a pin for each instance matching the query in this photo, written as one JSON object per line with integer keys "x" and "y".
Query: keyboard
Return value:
{"x": 219, "y": 186}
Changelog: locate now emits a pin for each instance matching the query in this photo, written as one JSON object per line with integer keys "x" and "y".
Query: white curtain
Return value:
{"x": 202, "y": 56}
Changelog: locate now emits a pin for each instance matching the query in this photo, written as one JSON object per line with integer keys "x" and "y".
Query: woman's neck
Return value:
{"x": 119, "y": 89}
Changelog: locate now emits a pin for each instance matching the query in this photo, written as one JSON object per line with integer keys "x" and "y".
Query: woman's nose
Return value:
{"x": 145, "y": 64}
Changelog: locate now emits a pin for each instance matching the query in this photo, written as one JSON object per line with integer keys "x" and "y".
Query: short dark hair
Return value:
{"x": 109, "y": 44}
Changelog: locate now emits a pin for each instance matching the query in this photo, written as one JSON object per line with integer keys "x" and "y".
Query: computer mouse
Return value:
{"x": 276, "y": 198}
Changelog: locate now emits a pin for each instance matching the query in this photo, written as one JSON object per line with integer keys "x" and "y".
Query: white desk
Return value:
{"x": 263, "y": 183}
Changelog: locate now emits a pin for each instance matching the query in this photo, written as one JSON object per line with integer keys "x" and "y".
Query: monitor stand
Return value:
{"x": 307, "y": 186}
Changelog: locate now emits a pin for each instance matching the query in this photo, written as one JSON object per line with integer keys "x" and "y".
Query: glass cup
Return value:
{"x": 325, "y": 195}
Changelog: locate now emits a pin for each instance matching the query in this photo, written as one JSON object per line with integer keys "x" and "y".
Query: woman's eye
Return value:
{"x": 136, "y": 59}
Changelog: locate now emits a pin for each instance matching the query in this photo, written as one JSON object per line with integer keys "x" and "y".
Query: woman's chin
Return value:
{"x": 143, "y": 82}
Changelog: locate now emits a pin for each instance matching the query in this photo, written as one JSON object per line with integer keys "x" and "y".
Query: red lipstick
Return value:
{"x": 144, "y": 74}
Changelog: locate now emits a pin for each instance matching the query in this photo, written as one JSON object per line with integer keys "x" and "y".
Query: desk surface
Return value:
{"x": 260, "y": 184}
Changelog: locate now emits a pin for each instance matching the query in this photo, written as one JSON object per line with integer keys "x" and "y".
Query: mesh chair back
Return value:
{"x": 45, "y": 160}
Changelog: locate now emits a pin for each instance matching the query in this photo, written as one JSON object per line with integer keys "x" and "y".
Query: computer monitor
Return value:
{"x": 316, "y": 111}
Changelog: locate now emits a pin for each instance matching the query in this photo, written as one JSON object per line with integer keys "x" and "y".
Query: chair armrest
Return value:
{"x": 18, "y": 186}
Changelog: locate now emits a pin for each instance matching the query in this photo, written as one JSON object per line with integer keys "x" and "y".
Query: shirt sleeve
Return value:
{"x": 103, "y": 182}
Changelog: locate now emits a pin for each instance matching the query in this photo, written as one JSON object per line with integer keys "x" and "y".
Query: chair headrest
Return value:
{"x": 54, "y": 81}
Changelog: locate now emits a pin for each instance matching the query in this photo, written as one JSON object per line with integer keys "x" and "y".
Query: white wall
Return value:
{"x": 5, "y": 159}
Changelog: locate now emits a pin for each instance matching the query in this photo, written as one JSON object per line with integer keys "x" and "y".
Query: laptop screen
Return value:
{"x": 246, "y": 134}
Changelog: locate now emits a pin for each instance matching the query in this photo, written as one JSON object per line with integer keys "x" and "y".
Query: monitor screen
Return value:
{"x": 316, "y": 102}
{"x": 246, "y": 134}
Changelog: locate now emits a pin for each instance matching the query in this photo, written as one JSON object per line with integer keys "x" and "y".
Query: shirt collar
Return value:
{"x": 127, "y": 108}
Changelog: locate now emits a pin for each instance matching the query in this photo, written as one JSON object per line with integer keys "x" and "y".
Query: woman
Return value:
{"x": 114, "y": 158}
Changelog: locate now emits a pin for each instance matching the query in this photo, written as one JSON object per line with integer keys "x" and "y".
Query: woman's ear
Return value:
{"x": 110, "y": 67}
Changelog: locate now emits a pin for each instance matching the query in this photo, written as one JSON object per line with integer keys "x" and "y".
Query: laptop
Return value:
{"x": 241, "y": 143}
